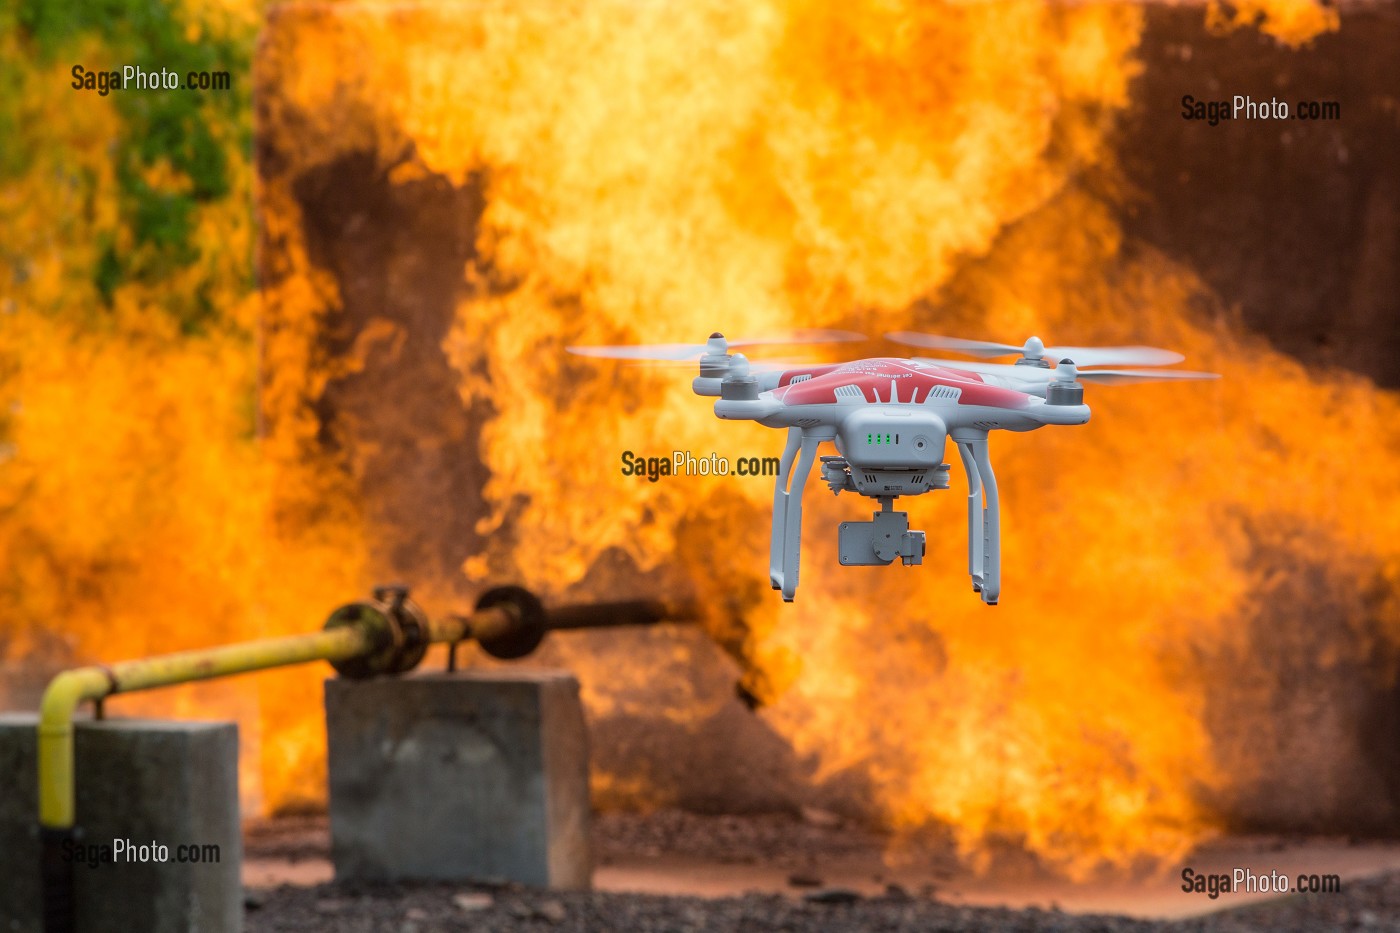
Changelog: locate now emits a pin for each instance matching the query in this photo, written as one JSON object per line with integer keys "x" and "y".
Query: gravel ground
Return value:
{"x": 771, "y": 838}
{"x": 1368, "y": 905}
{"x": 420, "y": 909}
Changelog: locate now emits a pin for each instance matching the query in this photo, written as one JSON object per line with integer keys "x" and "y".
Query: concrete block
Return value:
{"x": 480, "y": 774}
{"x": 145, "y": 782}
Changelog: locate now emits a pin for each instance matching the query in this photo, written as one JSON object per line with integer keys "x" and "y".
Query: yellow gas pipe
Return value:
{"x": 388, "y": 634}
{"x": 70, "y": 688}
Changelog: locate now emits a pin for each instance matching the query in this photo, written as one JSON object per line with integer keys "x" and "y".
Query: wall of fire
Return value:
{"x": 1201, "y": 626}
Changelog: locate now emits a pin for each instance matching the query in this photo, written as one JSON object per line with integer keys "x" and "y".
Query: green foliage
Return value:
{"x": 108, "y": 273}
{"x": 196, "y": 133}
{"x": 11, "y": 81}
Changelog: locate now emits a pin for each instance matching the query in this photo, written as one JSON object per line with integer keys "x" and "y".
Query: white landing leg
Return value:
{"x": 792, "y": 534}
{"x": 780, "y": 508}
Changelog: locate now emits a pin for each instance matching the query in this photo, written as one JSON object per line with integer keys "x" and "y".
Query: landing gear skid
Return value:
{"x": 886, "y": 537}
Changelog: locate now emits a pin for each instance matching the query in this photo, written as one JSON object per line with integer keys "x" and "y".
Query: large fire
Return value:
{"x": 654, "y": 172}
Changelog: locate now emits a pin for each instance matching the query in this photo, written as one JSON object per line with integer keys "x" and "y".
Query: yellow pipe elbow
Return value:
{"x": 68, "y": 689}
{"x": 60, "y": 701}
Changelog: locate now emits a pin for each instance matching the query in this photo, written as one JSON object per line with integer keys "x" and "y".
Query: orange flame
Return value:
{"x": 1293, "y": 22}
{"x": 656, "y": 174}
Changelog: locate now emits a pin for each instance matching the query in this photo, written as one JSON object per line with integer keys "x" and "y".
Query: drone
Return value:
{"x": 890, "y": 420}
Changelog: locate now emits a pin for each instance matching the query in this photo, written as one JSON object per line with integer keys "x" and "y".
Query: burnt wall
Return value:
{"x": 397, "y": 253}
{"x": 1295, "y": 223}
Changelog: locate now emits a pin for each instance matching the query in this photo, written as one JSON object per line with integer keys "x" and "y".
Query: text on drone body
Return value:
{"x": 685, "y": 463}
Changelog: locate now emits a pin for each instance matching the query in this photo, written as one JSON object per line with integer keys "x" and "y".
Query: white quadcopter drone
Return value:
{"x": 890, "y": 419}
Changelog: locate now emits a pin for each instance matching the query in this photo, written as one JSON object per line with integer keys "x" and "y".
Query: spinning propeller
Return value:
{"x": 717, "y": 346}
{"x": 1033, "y": 366}
{"x": 1034, "y": 351}
{"x": 1125, "y": 376}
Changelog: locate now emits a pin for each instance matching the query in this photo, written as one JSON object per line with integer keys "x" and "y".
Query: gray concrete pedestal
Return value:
{"x": 480, "y": 774}
{"x": 143, "y": 783}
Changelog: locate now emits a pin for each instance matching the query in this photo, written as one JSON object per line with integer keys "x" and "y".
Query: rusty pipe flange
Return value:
{"x": 525, "y": 628}
{"x": 372, "y": 617}
{"x": 412, "y": 625}
{"x": 396, "y": 626}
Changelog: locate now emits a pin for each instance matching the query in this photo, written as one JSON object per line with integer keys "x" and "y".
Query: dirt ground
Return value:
{"x": 807, "y": 853}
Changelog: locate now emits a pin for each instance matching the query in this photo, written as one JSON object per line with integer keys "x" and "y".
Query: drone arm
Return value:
{"x": 792, "y": 533}
{"x": 780, "y": 508}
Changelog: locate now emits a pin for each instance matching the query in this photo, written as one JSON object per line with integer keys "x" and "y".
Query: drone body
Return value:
{"x": 890, "y": 420}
